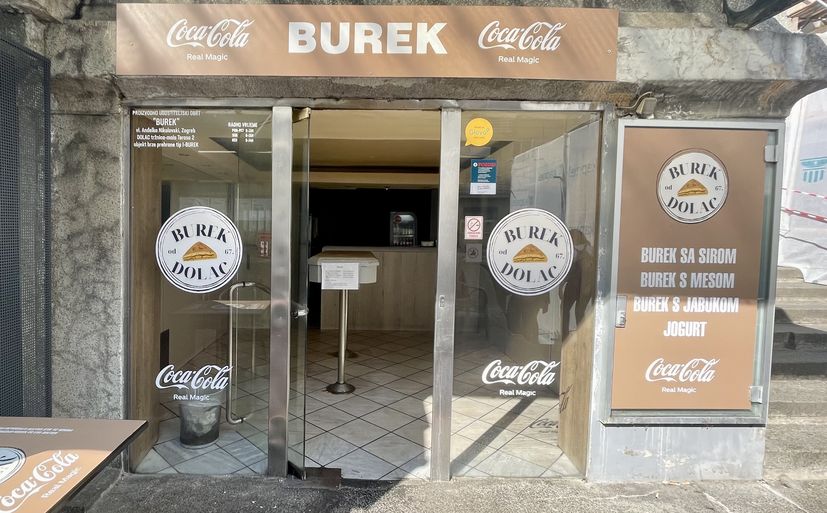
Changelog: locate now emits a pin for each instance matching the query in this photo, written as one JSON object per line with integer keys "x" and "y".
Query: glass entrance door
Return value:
{"x": 200, "y": 198}
{"x": 299, "y": 248}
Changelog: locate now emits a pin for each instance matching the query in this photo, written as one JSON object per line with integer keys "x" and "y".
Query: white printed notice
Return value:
{"x": 340, "y": 276}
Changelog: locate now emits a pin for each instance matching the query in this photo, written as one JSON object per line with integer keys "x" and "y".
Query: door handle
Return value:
{"x": 300, "y": 311}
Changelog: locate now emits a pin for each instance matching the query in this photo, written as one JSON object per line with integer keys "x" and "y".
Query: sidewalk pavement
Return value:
{"x": 206, "y": 494}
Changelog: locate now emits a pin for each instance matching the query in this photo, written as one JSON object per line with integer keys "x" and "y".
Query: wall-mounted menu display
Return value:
{"x": 691, "y": 220}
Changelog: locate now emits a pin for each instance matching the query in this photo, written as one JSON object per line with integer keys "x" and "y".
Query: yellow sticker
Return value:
{"x": 478, "y": 132}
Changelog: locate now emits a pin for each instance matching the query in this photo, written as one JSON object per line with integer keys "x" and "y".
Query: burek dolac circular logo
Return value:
{"x": 530, "y": 251}
{"x": 198, "y": 249}
{"x": 692, "y": 186}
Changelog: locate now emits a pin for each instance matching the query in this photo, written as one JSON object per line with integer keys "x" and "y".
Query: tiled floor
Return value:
{"x": 383, "y": 429}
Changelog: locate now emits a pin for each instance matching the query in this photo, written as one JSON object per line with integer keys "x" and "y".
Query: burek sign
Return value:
{"x": 198, "y": 249}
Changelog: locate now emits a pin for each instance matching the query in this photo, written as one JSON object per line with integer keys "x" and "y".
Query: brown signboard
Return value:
{"x": 367, "y": 41}
{"x": 45, "y": 460}
{"x": 688, "y": 270}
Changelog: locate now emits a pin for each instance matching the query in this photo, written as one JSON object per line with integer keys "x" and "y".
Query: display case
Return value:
{"x": 403, "y": 229}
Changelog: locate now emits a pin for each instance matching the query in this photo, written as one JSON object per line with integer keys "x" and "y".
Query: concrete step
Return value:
{"x": 803, "y": 314}
{"x": 812, "y": 341}
{"x": 796, "y": 448}
{"x": 795, "y": 363}
{"x": 791, "y": 398}
{"x": 788, "y": 274}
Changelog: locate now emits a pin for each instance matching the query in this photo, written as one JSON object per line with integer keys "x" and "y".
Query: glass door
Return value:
{"x": 200, "y": 206}
{"x": 299, "y": 248}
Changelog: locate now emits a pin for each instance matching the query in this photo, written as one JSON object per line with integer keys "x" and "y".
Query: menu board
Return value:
{"x": 691, "y": 216}
{"x": 45, "y": 460}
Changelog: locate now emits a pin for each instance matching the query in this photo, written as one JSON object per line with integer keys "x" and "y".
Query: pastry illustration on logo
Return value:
{"x": 692, "y": 186}
{"x": 530, "y": 251}
{"x": 11, "y": 461}
{"x": 198, "y": 249}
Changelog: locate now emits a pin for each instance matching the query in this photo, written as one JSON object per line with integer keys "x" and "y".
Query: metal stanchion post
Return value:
{"x": 340, "y": 387}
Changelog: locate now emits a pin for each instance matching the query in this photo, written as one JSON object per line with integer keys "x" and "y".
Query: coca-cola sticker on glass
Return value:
{"x": 530, "y": 251}
{"x": 198, "y": 249}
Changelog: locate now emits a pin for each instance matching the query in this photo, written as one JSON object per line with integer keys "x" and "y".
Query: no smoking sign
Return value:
{"x": 473, "y": 227}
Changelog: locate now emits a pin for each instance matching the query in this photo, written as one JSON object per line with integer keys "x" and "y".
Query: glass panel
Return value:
{"x": 216, "y": 158}
{"x": 514, "y": 402}
{"x": 299, "y": 247}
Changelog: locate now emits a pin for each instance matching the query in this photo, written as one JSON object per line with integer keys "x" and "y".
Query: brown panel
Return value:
{"x": 575, "y": 392}
{"x": 145, "y": 314}
{"x": 475, "y": 41}
{"x": 728, "y": 338}
{"x": 47, "y": 459}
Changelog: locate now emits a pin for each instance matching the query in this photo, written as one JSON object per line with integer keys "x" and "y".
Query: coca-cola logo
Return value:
{"x": 208, "y": 377}
{"x": 227, "y": 33}
{"x": 696, "y": 370}
{"x": 540, "y": 35}
{"x": 537, "y": 372}
{"x": 53, "y": 467}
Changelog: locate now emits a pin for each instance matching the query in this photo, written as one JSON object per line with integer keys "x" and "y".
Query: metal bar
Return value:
{"x": 340, "y": 387}
{"x": 231, "y": 419}
{"x": 445, "y": 294}
{"x": 282, "y": 166}
{"x": 342, "y": 334}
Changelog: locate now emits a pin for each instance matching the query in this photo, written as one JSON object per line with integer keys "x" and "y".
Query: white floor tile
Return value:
{"x": 326, "y": 448}
{"x": 394, "y": 449}
{"x": 361, "y": 465}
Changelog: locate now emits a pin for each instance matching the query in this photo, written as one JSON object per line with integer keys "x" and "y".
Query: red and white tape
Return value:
{"x": 814, "y": 195}
{"x": 805, "y": 215}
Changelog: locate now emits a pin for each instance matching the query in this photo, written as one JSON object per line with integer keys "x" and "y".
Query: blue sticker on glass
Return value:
{"x": 484, "y": 176}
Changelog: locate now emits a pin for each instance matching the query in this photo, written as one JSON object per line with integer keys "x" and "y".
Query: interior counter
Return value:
{"x": 402, "y": 297}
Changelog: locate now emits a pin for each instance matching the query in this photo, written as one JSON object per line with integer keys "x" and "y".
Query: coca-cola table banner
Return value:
{"x": 44, "y": 461}
{"x": 367, "y": 41}
{"x": 689, "y": 259}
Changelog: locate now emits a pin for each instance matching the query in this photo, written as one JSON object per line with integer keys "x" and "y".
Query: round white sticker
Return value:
{"x": 11, "y": 461}
{"x": 530, "y": 252}
{"x": 198, "y": 249}
{"x": 692, "y": 186}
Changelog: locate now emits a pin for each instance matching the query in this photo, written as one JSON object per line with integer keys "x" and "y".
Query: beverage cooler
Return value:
{"x": 403, "y": 229}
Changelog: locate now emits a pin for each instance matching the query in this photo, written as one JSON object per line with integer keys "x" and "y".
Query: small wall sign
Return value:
{"x": 198, "y": 249}
{"x": 483, "y": 177}
{"x": 530, "y": 252}
{"x": 473, "y": 227}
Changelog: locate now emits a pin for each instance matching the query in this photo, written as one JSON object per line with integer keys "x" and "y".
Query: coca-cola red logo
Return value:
{"x": 696, "y": 370}
{"x": 208, "y": 377}
{"x": 540, "y": 35}
{"x": 537, "y": 372}
{"x": 227, "y": 33}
